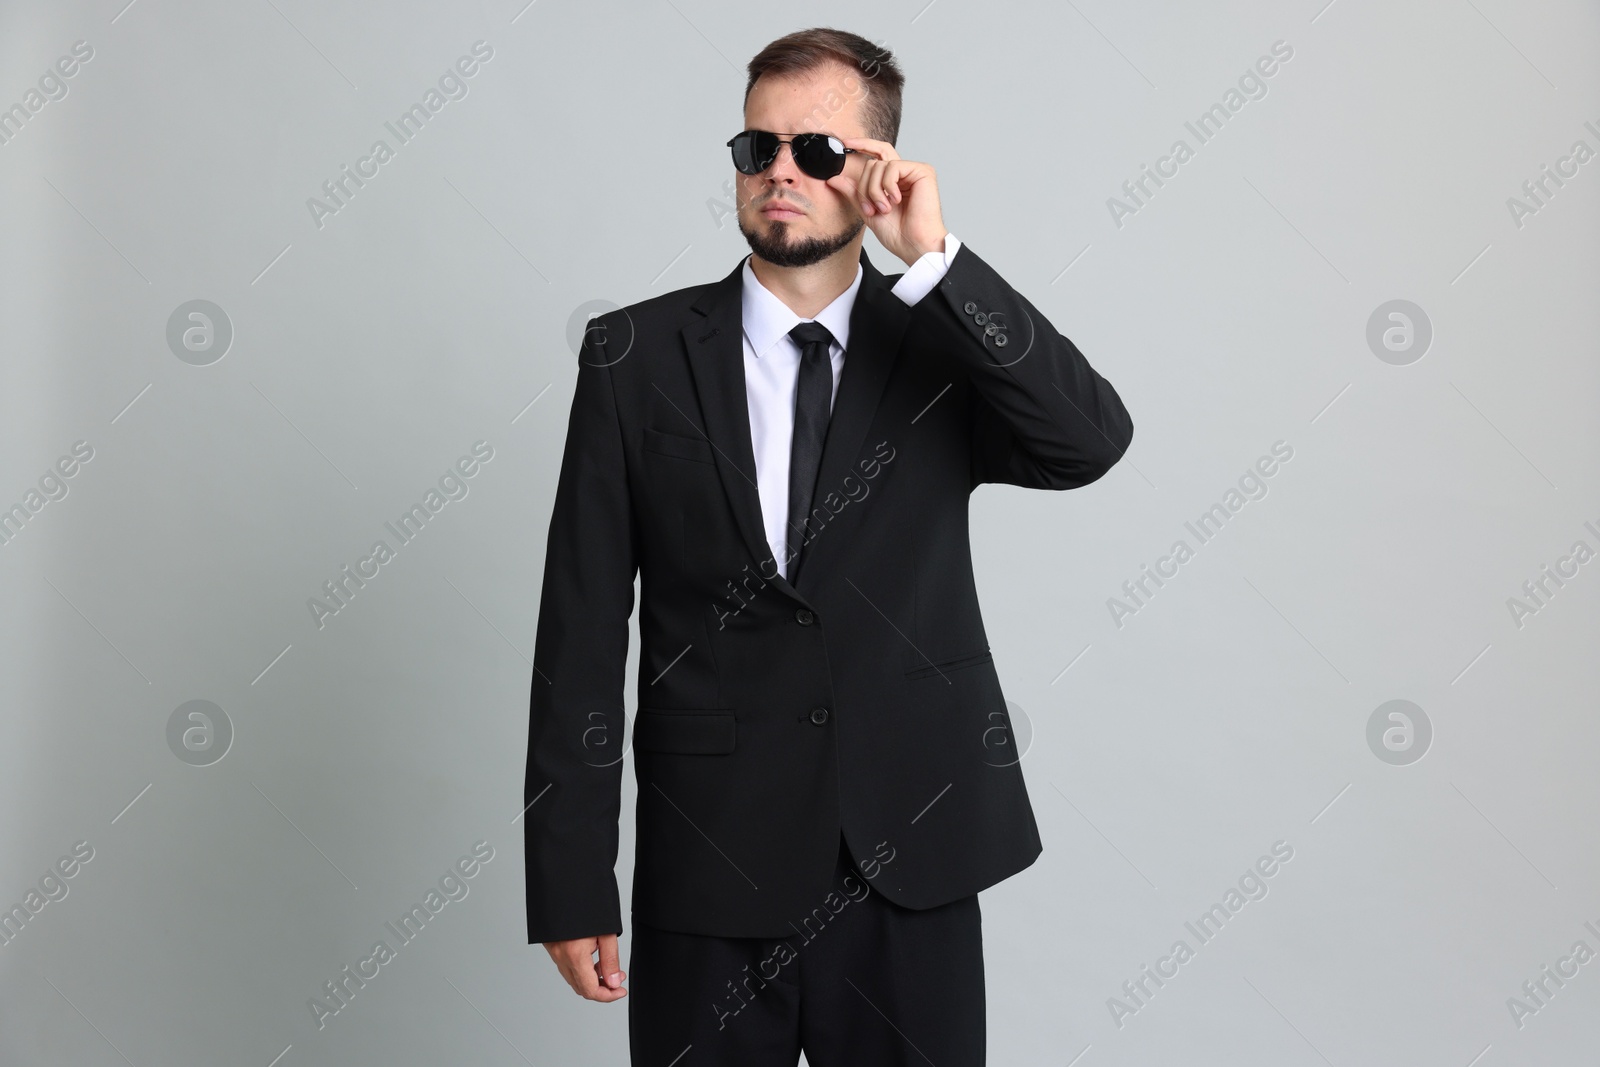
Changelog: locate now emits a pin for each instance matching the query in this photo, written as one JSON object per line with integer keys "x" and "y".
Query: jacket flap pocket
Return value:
{"x": 675, "y": 444}
{"x": 691, "y": 733}
{"x": 917, "y": 664}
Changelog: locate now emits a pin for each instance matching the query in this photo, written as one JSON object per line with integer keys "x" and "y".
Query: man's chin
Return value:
{"x": 778, "y": 242}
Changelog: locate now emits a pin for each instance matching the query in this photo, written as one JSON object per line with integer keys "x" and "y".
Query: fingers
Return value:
{"x": 880, "y": 177}
{"x": 878, "y": 190}
{"x": 870, "y": 194}
{"x": 607, "y": 969}
{"x": 881, "y": 149}
{"x": 863, "y": 189}
{"x": 574, "y": 960}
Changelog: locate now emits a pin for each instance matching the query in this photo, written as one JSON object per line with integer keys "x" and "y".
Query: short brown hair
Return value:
{"x": 805, "y": 51}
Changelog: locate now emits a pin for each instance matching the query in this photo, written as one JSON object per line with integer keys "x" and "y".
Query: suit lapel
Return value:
{"x": 715, "y": 346}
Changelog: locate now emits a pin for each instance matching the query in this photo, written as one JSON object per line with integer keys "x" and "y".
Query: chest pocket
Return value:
{"x": 678, "y": 446}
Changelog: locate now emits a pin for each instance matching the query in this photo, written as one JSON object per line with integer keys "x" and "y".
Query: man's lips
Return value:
{"x": 782, "y": 210}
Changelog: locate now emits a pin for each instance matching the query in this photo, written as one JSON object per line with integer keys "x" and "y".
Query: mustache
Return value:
{"x": 776, "y": 199}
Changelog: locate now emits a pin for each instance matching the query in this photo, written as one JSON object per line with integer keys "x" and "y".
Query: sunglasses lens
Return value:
{"x": 818, "y": 154}
{"x": 754, "y": 151}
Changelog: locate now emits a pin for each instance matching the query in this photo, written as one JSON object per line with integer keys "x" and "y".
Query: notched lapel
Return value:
{"x": 715, "y": 346}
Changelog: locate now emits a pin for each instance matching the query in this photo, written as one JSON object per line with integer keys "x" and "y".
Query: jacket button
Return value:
{"x": 980, "y": 318}
{"x": 1000, "y": 341}
{"x": 819, "y": 716}
{"x": 970, "y": 307}
{"x": 804, "y": 617}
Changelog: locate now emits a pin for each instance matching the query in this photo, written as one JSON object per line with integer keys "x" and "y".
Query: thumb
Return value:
{"x": 609, "y": 968}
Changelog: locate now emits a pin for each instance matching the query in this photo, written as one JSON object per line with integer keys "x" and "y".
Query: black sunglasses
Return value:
{"x": 817, "y": 154}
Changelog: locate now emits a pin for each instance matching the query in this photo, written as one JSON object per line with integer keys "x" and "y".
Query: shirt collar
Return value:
{"x": 766, "y": 318}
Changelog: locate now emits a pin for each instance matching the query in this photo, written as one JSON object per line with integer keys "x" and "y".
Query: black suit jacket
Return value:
{"x": 862, "y": 697}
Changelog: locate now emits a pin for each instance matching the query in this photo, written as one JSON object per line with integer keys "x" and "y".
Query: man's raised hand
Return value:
{"x": 898, "y": 198}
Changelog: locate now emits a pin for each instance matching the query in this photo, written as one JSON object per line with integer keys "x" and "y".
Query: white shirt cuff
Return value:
{"x": 927, "y": 271}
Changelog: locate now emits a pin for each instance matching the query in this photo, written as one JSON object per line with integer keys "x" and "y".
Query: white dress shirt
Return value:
{"x": 772, "y": 366}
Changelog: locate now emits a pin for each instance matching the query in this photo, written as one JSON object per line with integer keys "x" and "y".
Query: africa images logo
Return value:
{"x": 452, "y": 85}
{"x": 341, "y": 989}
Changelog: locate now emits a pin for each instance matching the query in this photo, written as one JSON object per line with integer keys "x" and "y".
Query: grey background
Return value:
{"x": 585, "y": 164}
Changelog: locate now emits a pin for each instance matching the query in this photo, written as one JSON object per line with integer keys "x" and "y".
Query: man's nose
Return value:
{"x": 782, "y": 167}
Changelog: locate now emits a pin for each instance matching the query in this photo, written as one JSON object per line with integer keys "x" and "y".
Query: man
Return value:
{"x": 786, "y": 457}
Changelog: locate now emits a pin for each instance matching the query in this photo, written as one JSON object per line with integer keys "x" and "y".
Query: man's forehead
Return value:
{"x": 817, "y": 101}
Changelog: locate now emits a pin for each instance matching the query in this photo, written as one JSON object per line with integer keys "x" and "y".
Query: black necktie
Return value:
{"x": 813, "y": 397}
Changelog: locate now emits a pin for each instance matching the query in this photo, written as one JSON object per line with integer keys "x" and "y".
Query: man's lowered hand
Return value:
{"x": 592, "y": 980}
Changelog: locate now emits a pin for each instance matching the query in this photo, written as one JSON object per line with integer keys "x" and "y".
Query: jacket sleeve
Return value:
{"x": 1042, "y": 417}
{"x": 576, "y": 717}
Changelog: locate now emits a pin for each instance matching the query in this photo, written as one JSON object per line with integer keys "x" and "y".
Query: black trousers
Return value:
{"x": 862, "y": 982}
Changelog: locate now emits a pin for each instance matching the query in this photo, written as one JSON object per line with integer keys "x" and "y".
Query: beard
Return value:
{"x": 770, "y": 240}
